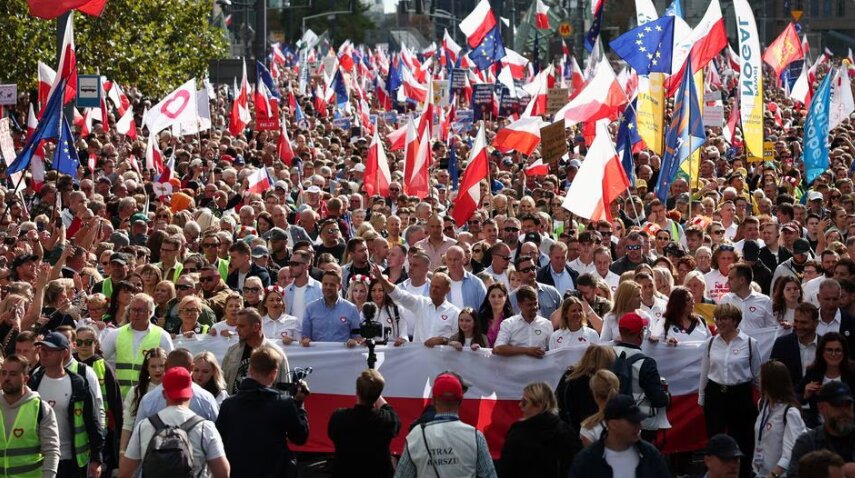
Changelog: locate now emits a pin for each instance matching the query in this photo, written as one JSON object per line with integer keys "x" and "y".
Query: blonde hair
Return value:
{"x": 541, "y": 394}
{"x": 604, "y": 385}
{"x": 218, "y": 382}
{"x": 625, "y": 293}
{"x": 596, "y": 357}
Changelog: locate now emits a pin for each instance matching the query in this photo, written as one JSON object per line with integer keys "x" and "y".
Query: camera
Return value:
{"x": 297, "y": 376}
{"x": 370, "y": 328}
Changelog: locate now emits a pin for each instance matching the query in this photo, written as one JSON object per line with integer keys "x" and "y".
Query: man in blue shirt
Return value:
{"x": 202, "y": 402}
{"x": 331, "y": 318}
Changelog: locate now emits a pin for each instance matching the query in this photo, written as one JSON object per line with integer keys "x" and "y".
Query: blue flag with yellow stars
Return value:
{"x": 65, "y": 159}
{"x": 647, "y": 48}
{"x": 490, "y": 50}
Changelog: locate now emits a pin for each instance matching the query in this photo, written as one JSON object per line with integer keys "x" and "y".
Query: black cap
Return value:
{"x": 674, "y": 249}
{"x": 623, "y": 407}
{"x": 532, "y": 237}
{"x": 750, "y": 250}
{"x": 23, "y": 259}
{"x": 55, "y": 341}
{"x": 835, "y": 393}
{"x": 801, "y": 246}
{"x": 119, "y": 257}
{"x": 723, "y": 446}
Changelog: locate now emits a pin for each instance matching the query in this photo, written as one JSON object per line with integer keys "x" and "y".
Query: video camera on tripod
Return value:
{"x": 370, "y": 329}
{"x": 298, "y": 379}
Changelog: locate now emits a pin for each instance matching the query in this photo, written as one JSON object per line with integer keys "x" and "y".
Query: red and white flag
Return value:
{"x": 240, "y": 116}
{"x": 537, "y": 168}
{"x": 784, "y": 50}
{"x": 802, "y": 91}
{"x": 538, "y": 90}
{"x": 412, "y": 88}
{"x": 451, "y": 48}
{"x": 377, "y": 175}
{"x": 46, "y": 77}
{"x": 600, "y": 180}
{"x": 259, "y": 181}
{"x": 398, "y": 138}
{"x": 153, "y": 155}
{"x": 477, "y": 169}
{"x": 127, "y": 126}
{"x": 32, "y": 122}
{"x": 514, "y": 62}
{"x": 541, "y": 16}
{"x": 841, "y": 104}
{"x": 175, "y": 108}
{"x": 50, "y": 9}
{"x": 283, "y": 146}
{"x": 117, "y": 97}
{"x": 708, "y": 38}
{"x": 730, "y": 127}
{"x": 135, "y": 164}
{"x": 522, "y": 135}
{"x": 67, "y": 70}
{"x": 478, "y": 24}
{"x": 417, "y": 162}
{"x": 601, "y": 98}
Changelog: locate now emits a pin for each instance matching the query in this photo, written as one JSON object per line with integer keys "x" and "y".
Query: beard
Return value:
{"x": 841, "y": 426}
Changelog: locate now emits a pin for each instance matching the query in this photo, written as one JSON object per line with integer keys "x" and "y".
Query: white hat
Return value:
{"x": 814, "y": 195}
{"x": 359, "y": 168}
{"x": 313, "y": 190}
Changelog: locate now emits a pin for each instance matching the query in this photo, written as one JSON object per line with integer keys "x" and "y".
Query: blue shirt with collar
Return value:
{"x": 473, "y": 291}
{"x": 548, "y": 300}
{"x": 202, "y": 403}
{"x": 331, "y": 324}
{"x": 313, "y": 293}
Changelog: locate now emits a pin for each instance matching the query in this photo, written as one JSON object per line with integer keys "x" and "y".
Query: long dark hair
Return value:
{"x": 779, "y": 305}
{"x": 676, "y": 305}
{"x": 114, "y": 298}
{"x": 776, "y": 384}
{"x": 142, "y": 386}
{"x": 819, "y": 364}
{"x": 477, "y": 334}
{"x": 485, "y": 312}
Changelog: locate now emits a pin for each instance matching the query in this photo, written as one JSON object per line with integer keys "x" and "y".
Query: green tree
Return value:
{"x": 350, "y": 26}
{"x": 155, "y": 45}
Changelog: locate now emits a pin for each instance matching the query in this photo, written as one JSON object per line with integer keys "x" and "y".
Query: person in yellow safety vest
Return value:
{"x": 29, "y": 436}
{"x": 118, "y": 272}
{"x": 124, "y": 347}
{"x": 170, "y": 259}
{"x": 81, "y": 434}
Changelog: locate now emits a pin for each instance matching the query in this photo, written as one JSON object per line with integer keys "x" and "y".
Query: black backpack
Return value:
{"x": 169, "y": 451}
{"x": 623, "y": 369}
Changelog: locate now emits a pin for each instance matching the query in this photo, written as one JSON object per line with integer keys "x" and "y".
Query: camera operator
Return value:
{"x": 362, "y": 434}
{"x": 237, "y": 358}
{"x": 255, "y": 423}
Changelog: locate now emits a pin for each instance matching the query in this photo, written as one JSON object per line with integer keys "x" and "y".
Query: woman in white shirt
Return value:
{"x": 604, "y": 385}
{"x": 573, "y": 326}
{"x": 627, "y": 299}
{"x": 779, "y": 423}
{"x": 277, "y": 323}
{"x": 717, "y": 284}
{"x": 679, "y": 323}
{"x": 228, "y": 326}
{"x": 468, "y": 333}
{"x": 151, "y": 373}
{"x": 787, "y": 295}
{"x": 388, "y": 313}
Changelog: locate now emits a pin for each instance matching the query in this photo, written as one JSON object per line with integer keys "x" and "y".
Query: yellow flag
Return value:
{"x": 690, "y": 169}
{"x": 650, "y": 114}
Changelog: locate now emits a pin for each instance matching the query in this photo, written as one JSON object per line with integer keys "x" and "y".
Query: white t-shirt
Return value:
{"x": 57, "y": 393}
{"x": 298, "y": 302}
{"x": 129, "y": 415}
{"x": 241, "y": 279}
{"x": 204, "y": 437}
{"x": 456, "y": 295}
{"x": 220, "y": 327}
{"x": 592, "y": 434}
{"x": 108, "y": 345}
{"x": 623, "y": 463}
{"x": 717, "y": 285}
{"x": 567, "y": 338}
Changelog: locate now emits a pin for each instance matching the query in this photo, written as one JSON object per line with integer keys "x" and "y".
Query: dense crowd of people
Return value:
{"x": 99, "y": 273}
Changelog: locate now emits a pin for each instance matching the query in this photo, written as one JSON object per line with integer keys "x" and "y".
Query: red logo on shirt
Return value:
{"x": 537, "y": 332}
{"x": 560, "y": 339}
{"x": 18, "y": 432}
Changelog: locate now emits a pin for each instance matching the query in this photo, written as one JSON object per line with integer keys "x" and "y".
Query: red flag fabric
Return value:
{"x": 469, "y": 196}
{"x": 93, "y": 8}
{"x": 240, "y": 116}
{"x": 283, "y": 147}
{"x": 786, "y": 49}
{"x": 377, "y": 175}
{"x": 50, "y": 9}
{"x": 522, "y": 135}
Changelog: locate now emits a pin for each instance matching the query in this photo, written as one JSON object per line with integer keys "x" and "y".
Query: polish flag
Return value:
{"x": 377, "y": 175}
{"x": 283, "y": 146}
{"x": 601, "y": 98}
{"x": 577, "y": 81}
{"x": 67, "y": 66}
{"x": 522, "y": 135}
{"x": 451, "y": 48}
{"x": 732, "y": 59}
{"x": 469, "y": 197}
{"x": 430, "y": 50}
{"x": 240, "y": 116}
{"x": 153, "y": 155}
{"x": 259, "y": 181}
{"x": 46, "y": 77}
{"x": 345, "y": 56}
{"x": 278, "y": 56}
{"x": 730, "y": 127}
{"x": 514, "y": 62}
{"x": 801, "y": 90}
{"x": 538, "y": 91}
{"x": 805, "y": 46}
{"x": 412, "y": 88}
{"x": 537, "y": 168}
{"x": 397, "y": 139}
{"x": 541, "y": 16}
{"x": 478, "y": 23}
{"x": 600, "y": 180}
{"x": 127, "y": 126}
{"x": 416, "y": 162}
{"x": 32, "y": 122}
{"x": 708, "y": 38}
{"x": 117, "y": 97}
{"x": 135, "y": 164}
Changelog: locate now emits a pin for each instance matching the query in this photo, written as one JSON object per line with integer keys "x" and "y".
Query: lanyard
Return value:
{"x": 764, "y": 418}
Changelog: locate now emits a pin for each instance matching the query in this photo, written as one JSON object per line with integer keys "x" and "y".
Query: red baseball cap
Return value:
{"x": 177, "y": 384}
{"x": 632, "y": 323}
{"x": 447, "y": 387}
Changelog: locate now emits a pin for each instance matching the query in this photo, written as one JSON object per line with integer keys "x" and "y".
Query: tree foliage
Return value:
{"x": 350, "y": 26}
{"x": 155, "y": 45}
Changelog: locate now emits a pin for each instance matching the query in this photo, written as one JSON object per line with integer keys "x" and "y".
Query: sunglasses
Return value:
{"x": 209, "y": 245}
{"x": 726, "y": 248}
{"x": 717, "y": 233}
{"x": 208, "y": 279}
{"x": 512, "y": 229}
{"x": 252, "y": 289}
{"x": 633, "y": 247}
{"x": 528, "y": 270}
{"x": 184, "y": 287}
{"x": 87, "y": 342}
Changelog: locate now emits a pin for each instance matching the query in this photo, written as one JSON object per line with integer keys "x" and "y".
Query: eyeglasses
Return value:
{"x": 605, "y": 233}
{"x": 191, "y": 311}
{"x": 296, "y": 264}
{"x": 512, "y": 229}
{"x": 208, "y": 245}
{"x": 183, "y": 286}
{"x": 528, "y": 270}
{"x": 663, "y": 238}
{"x": 717, "y": 233}
{"x": 254, "y": 290}
{"x": 633, "y": 247}
{"x": 209, "y": 278}
{"x": 834, "y": 351}
{"x": 139, "y": 310}
{"x": 87, "y": 342}
{"x": 477, "y": 250}
{"x": 332, "y": 231}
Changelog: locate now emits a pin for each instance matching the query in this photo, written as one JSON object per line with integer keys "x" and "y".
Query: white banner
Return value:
{"x": 750, "y": 78}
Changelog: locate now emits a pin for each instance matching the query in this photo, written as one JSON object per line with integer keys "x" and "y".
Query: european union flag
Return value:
{"x": 264, "y": 75}
{"x": 816, "y": 131}
{"x": 647, "y": 48}
{"x": 341, "y": 96}
{"x": 675, "y": 9}
{"x": 453, "y": 169}
{"x": 395, "y": 80}
{"x": 48, "y": 128}
{"x": 594, "y": 31}
{"x": 65, "y": 159}
{"x": 627, "y": 137}
{"x": 490, "y": 50}
{"x": 685, "y": 133}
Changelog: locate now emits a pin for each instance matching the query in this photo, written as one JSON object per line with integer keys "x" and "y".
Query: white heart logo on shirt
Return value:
{"x": 752, "y": 309}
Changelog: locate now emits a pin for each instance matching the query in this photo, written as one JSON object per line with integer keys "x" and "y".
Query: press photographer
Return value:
{"x": 256, "y": 422}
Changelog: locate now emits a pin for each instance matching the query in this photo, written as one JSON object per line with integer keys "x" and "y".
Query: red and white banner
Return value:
{"x": 491, "y": 404}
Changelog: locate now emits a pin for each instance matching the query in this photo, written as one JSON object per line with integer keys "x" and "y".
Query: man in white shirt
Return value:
{"x": 416, "y": 284}
{"x": 436, "y": 317}
{"x": 526, "y": 333}
{"x": 584, "y": 264}
{"x": 811, "y": 288}
{"x": 756, "y": 308}
{"x": 209, "y": 456}
{"x": 501, "y": 259}
{"x": 602, "y": 262}
{"x": 304, "y": 289}
{"x": 831, "y": 318}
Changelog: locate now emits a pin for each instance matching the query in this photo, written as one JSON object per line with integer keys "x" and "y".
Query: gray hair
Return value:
{"x": 143, "y": 297}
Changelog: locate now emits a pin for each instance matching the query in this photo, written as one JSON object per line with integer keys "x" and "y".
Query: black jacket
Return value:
{"x": 816, "y": 439}
{"x": 811, "y": 415}
{"x": 543, "y": 446}
{"x": 254, "y": 271}
{"x": 254, "y": 425}
{"x": 575, "y": 400}
{"x": 762, "y": 276}
{"x": 361, "y": 436}
{"x": 80, "y": 393}
{"x": 786, "y": 350}
{"x": 769, "y": 259}
{"x": 624, "y": 265}
{"x": 544, "y": 275}
{"x": 591, "y": 462}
